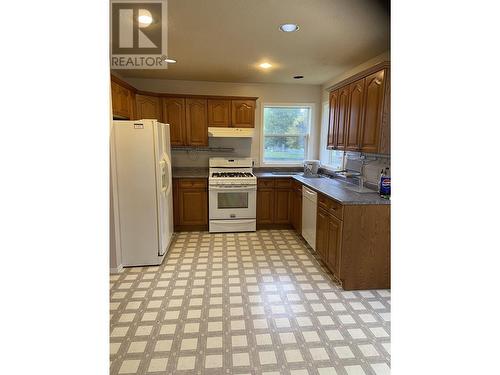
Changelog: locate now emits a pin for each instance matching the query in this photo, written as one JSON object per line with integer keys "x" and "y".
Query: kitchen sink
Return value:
{"x": 361, "y": 190}
{"x": 281, "y": 173}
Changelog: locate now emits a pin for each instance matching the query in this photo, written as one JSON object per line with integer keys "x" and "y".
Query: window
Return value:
{"x": 286, "y": 133}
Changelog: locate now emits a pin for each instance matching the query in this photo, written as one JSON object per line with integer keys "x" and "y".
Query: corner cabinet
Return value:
{"x": 359, "y": 113}
{"x": 274, "y": 203}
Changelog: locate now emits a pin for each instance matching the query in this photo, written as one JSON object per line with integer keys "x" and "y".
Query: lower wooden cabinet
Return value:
{"x": 354, "y": 243}
{"x": 296, "y": 207}
{"x": 274, "y": 202}
{"x": 190, "y": 201}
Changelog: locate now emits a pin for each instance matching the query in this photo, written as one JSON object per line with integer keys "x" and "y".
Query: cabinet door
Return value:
{"x": 373, "y": 112}
{"x": 193, "y": 207}
{"x": 333, "y": 117}
{"x": 219, "y": 113}
{"x": 243, "y": 113}
{"x": 334, "y": 245}
{"x": 282, "y": 206}
{"x": 147, "y": 107}
{"x": 322, "y": 233}
{"x": 355, "y": 120}
{"x": 265, "y": 206}
{"x": 343, "y": 115}
{"x": 174, "y": 113}
{"x": 297, "y": 210}
{"x": 196, "y": 122}
{"x": 121, "y": 101}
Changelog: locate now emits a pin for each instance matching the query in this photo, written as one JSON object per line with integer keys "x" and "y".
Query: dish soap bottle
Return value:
{"x": 385, "y": 184}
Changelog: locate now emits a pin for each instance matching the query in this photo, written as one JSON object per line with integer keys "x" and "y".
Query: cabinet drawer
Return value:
{"x": 336, "y": 209}
{"x": 331, "y": 206}
{"x": 199, "y": 183}
{"x": 283, "y": 183}
{"x": 265, "y": 183}
{"x": 323, "y": 202}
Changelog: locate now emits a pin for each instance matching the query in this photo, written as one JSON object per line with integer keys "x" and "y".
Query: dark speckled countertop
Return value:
{"x": 333, "y": 188}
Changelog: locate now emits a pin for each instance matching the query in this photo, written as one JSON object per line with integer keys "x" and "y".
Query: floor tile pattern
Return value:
{"x": 246, "y": 303}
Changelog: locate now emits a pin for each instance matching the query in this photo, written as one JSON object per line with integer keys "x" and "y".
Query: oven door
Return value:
{"x": 229, "y": 202}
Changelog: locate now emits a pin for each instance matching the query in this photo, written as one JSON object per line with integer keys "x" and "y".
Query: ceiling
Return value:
{"x": 225, "y": 40}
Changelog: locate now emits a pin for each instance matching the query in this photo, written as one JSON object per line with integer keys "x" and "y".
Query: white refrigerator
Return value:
{"x": 142, "y": 187}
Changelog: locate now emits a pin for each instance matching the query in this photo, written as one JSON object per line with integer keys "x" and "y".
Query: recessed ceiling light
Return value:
{"x": 170, "y": 61}
{"x": 265, "y": 65}
{"x": 289, "y": 27}
{"x": 298, "y": 77}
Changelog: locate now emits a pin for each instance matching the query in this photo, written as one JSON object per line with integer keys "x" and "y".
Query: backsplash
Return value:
{"x": 373, "y": 164}
{"x": 193, "y": 158}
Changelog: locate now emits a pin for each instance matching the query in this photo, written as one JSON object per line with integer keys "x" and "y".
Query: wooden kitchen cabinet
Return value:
{"x": 342, "y": 118}
{"x": 219, "y": 113}
{"x": 265, "y": 206}
{"x": 174, "y": 113}
{"x": 190, "y": 201}
{"x": 333, "y": 117}
{"x": 147, "y": 107}
{"x": 355, "y": 119}
{"x": 196, "y": 122}
{"x": 243, "y": 113}
{"x": 296, "y": 206}
{"x": 374, "y": 100}
{"x": 354, "y": 243}
{"x": 122, "y": 99}
{"x": 359, "y": 118}
{"x": 282, "y": 206}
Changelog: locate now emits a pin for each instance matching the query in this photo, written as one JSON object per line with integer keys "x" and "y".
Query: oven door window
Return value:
{"x": 232, "y": 200}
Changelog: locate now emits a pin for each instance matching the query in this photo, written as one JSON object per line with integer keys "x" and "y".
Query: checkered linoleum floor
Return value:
{"x": 246, "y": 303}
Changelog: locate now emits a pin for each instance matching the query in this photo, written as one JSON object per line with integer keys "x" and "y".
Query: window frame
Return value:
{"x": 307, "y": 141}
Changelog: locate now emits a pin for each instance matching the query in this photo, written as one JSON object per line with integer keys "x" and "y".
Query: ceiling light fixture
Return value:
{"x": 298, "y": 77}
{"x": 265, "y": 65}
{"x": 170, "y": 61}
{"x": 289, "y": 27}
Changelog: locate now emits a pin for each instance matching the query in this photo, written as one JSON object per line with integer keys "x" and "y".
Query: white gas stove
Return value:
{"x": 232, "y": 191}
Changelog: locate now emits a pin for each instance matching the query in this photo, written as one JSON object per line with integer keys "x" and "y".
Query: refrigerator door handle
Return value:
{"x": 167, "y": 185}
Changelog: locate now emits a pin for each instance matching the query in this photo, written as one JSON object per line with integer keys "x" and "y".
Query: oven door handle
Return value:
{"x": 233, "y": 187}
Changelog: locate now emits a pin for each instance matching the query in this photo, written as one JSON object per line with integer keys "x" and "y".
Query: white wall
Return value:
{"x": 267, "y": 93}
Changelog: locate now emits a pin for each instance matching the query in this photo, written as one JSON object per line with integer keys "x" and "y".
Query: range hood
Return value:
{"x": 230, "y": 132}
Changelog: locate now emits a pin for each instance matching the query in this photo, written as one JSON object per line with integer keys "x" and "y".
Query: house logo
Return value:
{"x": 138, "y": 34}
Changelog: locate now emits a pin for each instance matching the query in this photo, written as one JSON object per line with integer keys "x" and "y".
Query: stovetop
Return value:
{"x": 231, "y": 174}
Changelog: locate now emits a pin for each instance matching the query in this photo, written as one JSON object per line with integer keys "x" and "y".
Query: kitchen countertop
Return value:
{"x": 184, "y": 172}
{"x": 333, "y": 188}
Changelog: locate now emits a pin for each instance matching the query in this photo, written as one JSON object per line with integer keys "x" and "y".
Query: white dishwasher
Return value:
{"x": 309, "y": 206}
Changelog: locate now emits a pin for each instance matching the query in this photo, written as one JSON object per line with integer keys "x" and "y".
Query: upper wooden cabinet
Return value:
{"x": 342, "y": 118}
{"x": 243, "y": 113}
{"x": 219, "y": 113}
{"x": 174, "y": 113}
{"x": 374, "y": 100}
{"x": 360, "y": 113}
{"x": 147, "y": 107}
{"x": 355, "y": 119}
{"x": 333, "y": 116}
{"x": 122, "y": 101}
{"x": 196, "y": 122}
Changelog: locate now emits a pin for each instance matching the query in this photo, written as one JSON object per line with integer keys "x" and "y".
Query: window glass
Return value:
{"x": 286, "y": 130}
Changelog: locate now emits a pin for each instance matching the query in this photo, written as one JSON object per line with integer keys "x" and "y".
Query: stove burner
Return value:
{"x": 232, "y": 174}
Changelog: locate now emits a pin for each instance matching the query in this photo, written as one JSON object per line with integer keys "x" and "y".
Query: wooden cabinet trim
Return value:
{"x": 360, "y": 75}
